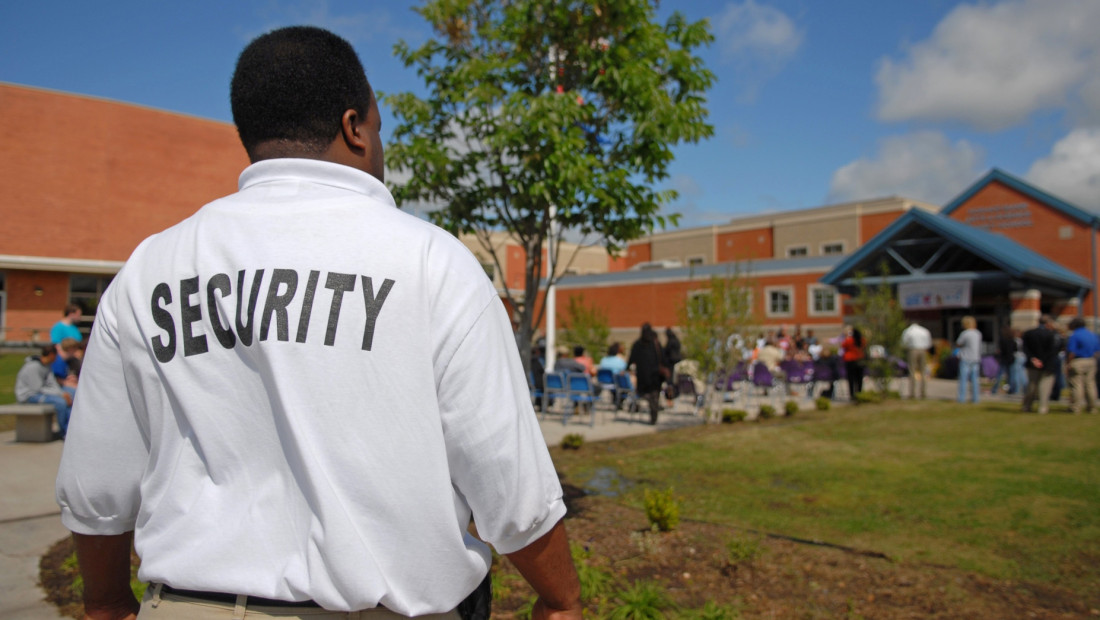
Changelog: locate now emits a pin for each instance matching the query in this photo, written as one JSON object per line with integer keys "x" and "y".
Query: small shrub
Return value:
{"x": 743, "y": 550}
{"x": 595, "y": 581}
{"x": 711, "y": 611}
{"x": 766, "y": 412}
{"x": 790, "y": 408}
{"x": 729, "y": 416}
{"x": 822, "y": 403}
{"x": 865, "y": 398}
{"x": 892, "y": 395}
{"x": 572, "y": 441}
{"x": 662, "y": 509}
{"x": 644, "y": 600}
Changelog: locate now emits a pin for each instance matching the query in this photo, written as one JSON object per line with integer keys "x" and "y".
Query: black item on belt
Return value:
{"x": 479, "y": 604}
{"x": 223, "y": 597}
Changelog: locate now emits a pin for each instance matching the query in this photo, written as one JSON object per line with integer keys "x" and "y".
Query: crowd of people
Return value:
{"x": 649, "y": 363}
{"x": 1038, "y": 363}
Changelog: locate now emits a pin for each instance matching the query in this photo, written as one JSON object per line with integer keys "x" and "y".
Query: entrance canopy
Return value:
{"x": 922, "y": 247}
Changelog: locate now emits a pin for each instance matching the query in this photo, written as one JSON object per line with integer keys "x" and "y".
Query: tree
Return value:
{"x": 882, "y": 321}
{"x": 586, "y": 325}
{"x": 534, "y": 105}
{"x": 714, "y": 323}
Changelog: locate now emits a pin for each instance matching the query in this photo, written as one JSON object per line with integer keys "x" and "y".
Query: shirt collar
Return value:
{"x": 316, "y": 171}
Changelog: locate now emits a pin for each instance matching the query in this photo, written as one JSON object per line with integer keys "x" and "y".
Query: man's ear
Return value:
{"x": 351, "y": 126}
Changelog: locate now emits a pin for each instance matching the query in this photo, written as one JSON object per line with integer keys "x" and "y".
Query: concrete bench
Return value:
{"x": 33, "y": 421}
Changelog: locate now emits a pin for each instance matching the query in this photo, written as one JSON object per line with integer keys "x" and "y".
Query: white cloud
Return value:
{"x": 992, "y": 65}
{"x": 759, "y": 40}
{"x": 359, "y": 27}
{"x": 1072, "y": 170}
{"x": 922, "y": 166}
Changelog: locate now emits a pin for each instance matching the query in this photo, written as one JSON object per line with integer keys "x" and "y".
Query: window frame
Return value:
{"x": 768, "y": 309}
{"x": 811, "y": 297}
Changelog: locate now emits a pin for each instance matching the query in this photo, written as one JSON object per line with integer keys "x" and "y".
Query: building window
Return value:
{"x": 832, "y": 248}
{"x": 779, "y": 300}
{"x": 695, "y": 260}
{"x": 1065, "y": 232}
{"x": 797, "y": 250}
{"x": 823, "y": 301}
{"x": 698, "y": 302}
{"x": 85, "y": 291}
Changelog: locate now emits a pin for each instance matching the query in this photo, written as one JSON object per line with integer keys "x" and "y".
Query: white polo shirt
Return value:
{"x": 301, "y": 392}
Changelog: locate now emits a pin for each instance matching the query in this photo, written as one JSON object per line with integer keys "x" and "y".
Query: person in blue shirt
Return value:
{"x": 1081, "y": 350}
{"x": 66, "y": 327}
{"x": 614, "y": 359}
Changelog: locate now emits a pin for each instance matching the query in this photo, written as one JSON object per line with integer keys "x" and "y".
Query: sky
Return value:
{"x": 815, "y": 102}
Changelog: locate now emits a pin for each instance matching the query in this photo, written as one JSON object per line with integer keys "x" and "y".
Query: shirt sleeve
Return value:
{"x": 497, "y": 454}
{"x": 106, "y": 449}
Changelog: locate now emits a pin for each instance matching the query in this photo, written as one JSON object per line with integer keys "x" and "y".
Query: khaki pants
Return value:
{"x": 1039, "y": 383}
{"x": 1082, "y": 382}
{"x": 166, "y": 606}
{"x": 918, "y": 371}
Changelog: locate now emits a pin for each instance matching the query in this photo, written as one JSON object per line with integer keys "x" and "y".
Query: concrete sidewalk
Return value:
{"x": 30, "y": 521}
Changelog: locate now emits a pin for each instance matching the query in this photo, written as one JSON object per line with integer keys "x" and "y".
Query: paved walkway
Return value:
{"x": 30, "y": 522}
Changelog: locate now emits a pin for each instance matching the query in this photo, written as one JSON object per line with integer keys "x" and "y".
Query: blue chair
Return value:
{"x": 536, "y": 391}
{"x": 581, "y": 394}
{"x": 605, "y": 379}
{"x": 555, "y": 388}
{"x": 627, "y": 394}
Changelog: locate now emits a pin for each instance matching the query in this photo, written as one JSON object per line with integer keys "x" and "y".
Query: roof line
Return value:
{"x": 996, "y": 174}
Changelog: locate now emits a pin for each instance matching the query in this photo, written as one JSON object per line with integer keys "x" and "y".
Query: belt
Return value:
{"x": 223, "y": 597}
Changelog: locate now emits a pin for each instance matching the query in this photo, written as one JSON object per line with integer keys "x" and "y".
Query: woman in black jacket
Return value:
{"x": 646, "y": 358}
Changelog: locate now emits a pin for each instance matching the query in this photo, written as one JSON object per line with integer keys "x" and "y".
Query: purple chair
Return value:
{"x": 799, "y": 373}
{"x": 762, "y": 377}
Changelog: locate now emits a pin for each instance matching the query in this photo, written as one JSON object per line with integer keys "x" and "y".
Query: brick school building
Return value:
{"x": 84, "y": 180}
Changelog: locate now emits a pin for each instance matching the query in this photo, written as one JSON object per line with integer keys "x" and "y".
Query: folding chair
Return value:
{"x": 685, "y": 385}
{"x": 581, "y": 393}
{"x": 733, "y": 381}
{"x": 536, "y": 391}
{"x": 627, "y": 395}
{"x": 763, "y": 378}
{"x": 823, "y": 374}
{"x": 798, "y": 373}
{"x": 605, "y": 379}
{"x": 555, "y": 388}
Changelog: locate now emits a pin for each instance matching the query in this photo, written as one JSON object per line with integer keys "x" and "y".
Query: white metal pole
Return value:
{"x": 551, "y": 294}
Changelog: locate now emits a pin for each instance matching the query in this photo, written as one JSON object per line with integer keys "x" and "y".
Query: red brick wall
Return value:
{"x": 745, "y": 244}
{"x": 659, "y": 303}
{"x": 1041, "y": 231}
{"x": 874, "y": 223}
{"x": 617, "y": 263}
{"x": 638, "y": 253}
{"x": 515, "y": 266}
{"x": 98, "y": 176}
{"x": 29, "y": 316}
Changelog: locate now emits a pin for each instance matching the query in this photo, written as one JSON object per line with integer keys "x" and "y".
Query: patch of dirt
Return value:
{"x": 760, "y": 577}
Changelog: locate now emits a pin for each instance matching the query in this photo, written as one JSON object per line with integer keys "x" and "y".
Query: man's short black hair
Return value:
{"x": 292, "y": 87}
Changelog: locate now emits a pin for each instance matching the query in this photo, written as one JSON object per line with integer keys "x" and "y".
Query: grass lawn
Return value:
{"x": 9, "y": 367}
{"x": 980, "y": 488}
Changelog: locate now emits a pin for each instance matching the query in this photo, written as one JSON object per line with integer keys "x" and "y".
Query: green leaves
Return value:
{"x": 533, "y": 103}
